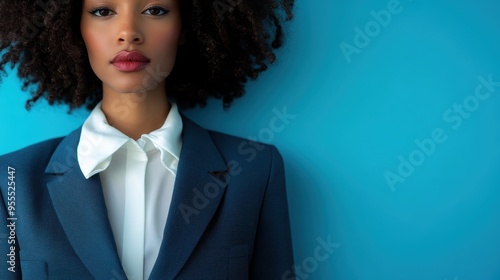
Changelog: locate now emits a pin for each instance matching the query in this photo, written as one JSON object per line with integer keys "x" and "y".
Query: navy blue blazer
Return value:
{"x": 228, "y": 218}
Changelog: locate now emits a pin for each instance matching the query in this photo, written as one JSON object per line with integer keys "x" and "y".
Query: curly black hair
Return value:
{"x": 227, "y": 42}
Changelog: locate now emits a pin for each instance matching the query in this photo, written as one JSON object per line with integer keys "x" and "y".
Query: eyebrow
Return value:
{"x": 112, "y": 2}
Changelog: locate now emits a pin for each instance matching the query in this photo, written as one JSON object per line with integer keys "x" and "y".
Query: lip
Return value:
{"x": 130, "y": 61}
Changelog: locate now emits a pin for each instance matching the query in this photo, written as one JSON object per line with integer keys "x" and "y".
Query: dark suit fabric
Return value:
{"x": 228, "y": 218}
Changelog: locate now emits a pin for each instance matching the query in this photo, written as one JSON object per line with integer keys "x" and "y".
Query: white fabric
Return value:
{"x": 137, "y": 179}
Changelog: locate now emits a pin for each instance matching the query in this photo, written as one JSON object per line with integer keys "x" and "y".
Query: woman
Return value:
{"x": 140, "y": 191}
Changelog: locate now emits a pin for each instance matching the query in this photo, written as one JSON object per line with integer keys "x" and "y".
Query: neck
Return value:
{"x": 135, "y": 114}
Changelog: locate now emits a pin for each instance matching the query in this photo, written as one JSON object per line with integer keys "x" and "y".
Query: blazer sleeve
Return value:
{"x": 273, "y": 253}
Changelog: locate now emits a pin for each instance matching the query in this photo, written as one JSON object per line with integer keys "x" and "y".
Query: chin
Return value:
{"x": 134, "y": 87}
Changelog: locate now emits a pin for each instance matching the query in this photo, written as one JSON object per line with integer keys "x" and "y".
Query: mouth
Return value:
{"x": 130, "y": 66}
{"x": 130, "y": 61}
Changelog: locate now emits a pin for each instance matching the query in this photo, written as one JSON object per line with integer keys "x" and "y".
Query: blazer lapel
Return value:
{"x": 81, "y": 209}
{"x": 202, "y": 177}
{"x": 199, "y": 186}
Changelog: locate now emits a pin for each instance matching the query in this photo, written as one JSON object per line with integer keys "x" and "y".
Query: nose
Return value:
{"x": 130, "y": 37}
{"x": 129, "y": 30}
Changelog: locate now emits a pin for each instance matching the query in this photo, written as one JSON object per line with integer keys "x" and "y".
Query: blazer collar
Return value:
{"x": 201, "y": 167}
{"x": 81, "y": 209}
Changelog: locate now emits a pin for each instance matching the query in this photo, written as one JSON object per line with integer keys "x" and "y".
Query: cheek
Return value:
{"x": 89, "y": 41}
{"x": 167, "y": 39}
{"x": 92, "y": 44}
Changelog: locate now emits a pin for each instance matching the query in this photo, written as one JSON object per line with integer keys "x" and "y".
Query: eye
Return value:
{"x": 156, "y": 11}
{"x": 101, "y": 12}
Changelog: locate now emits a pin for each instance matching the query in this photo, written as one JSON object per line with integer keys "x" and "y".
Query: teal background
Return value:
{"x": 354, "y": 122}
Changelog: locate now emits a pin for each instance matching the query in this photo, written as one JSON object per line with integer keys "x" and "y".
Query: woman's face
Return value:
{"x": 152, "y": 28}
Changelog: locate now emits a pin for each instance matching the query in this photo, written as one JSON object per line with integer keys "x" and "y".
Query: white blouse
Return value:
{"x": 137, "y": 180}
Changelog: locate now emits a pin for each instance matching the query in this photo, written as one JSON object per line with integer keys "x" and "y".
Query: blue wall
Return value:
{"x": 391, "y": 141}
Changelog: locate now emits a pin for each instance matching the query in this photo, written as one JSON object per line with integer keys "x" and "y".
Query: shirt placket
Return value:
{"x": 134, "y": 214}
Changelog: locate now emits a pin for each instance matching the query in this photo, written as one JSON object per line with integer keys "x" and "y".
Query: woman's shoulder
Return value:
{"x": 244, "y": 150}
{"x": 231, "y": 147}
{"x": 33, "y": 156}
